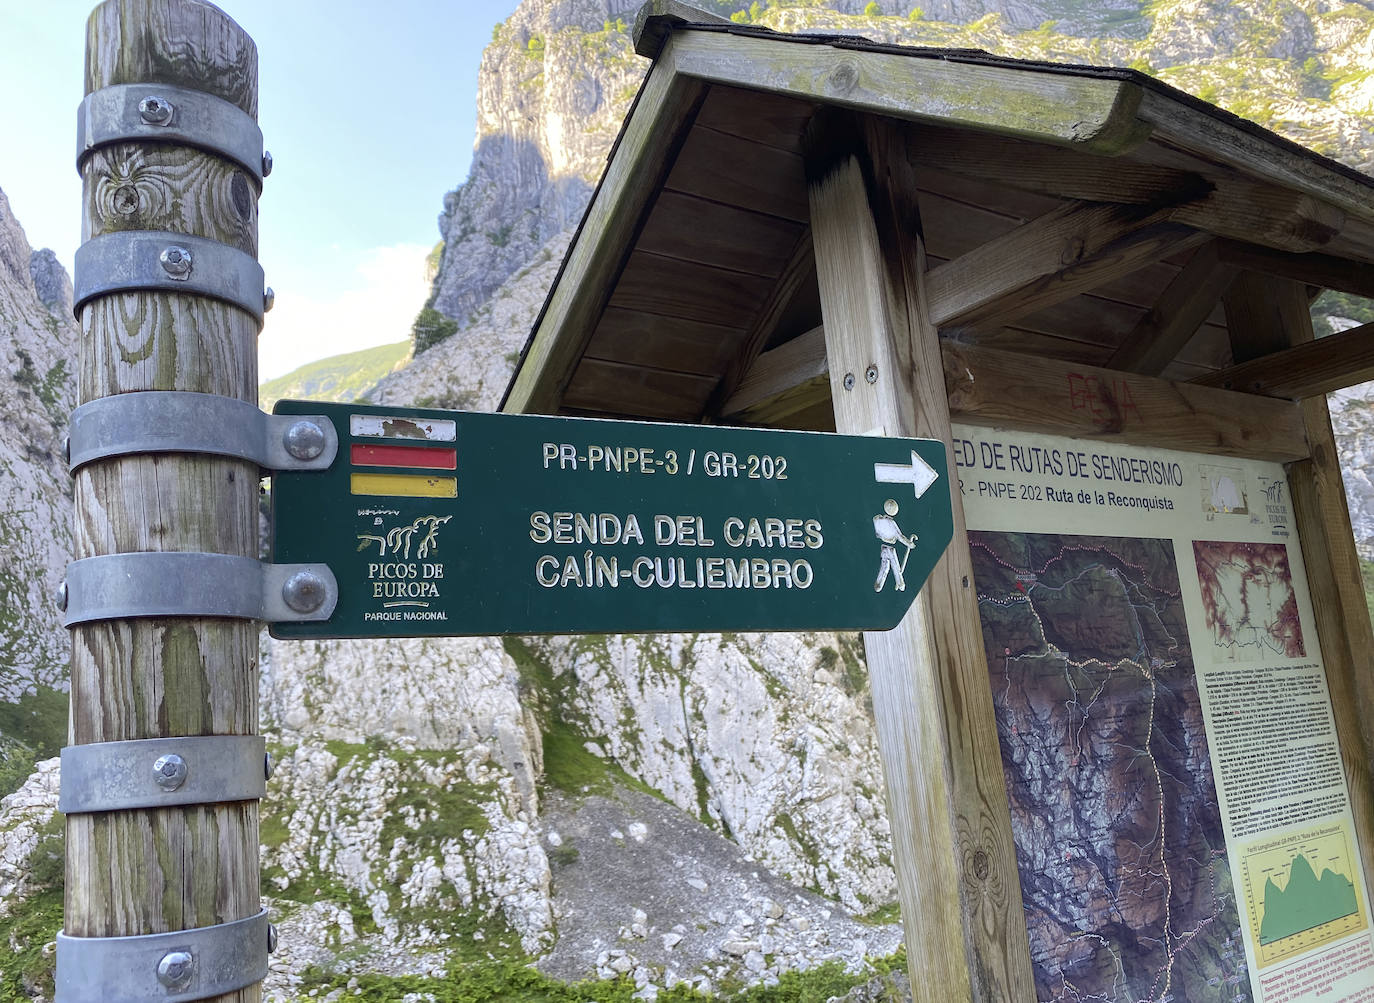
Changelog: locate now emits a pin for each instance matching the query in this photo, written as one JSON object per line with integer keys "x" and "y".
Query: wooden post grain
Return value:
{"x": 951, "y": 827}
{"x": 153, "y": 871}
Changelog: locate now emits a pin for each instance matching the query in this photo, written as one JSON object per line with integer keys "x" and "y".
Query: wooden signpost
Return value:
{"x": 156, "y": 699}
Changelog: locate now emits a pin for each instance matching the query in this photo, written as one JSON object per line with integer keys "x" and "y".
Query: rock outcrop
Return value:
{"x": 37, "y": 350}
{"x": 552, "y": 91}
{"x": 409, "y": 810}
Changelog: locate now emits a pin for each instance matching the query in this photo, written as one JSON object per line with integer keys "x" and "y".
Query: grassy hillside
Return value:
{"x": 337, "y": 378}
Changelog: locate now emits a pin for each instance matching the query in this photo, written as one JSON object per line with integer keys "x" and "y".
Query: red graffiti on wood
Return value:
{"x": 1107, "y": 399}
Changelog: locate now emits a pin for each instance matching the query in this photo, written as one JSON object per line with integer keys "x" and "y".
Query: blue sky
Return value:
{"x": 368, "y": 110}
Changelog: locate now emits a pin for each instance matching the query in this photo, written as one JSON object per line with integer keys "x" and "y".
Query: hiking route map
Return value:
{"x": 1178, "y": 798}
{"x": 1123, "y": 862}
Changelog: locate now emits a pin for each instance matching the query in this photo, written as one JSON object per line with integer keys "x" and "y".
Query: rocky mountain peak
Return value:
{"x": 51, "y": 282}
{"x": 552, "y": 90}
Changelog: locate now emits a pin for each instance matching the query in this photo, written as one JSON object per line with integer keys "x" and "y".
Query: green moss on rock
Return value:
{"x": 487, "y": 980}
{"x": 27, "y": 930}
{"x": 32, "y": 728}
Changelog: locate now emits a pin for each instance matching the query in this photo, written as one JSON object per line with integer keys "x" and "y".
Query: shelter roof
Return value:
{"x": 1089, "y": 215}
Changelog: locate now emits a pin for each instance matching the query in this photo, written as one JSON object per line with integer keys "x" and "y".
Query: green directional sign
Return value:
{"x": 452, "y": 523}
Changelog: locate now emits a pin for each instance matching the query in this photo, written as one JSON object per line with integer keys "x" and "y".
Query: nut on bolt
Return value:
{"x": 269, "y": 299}
{"x": 266, "y": 162}
{"x": 176, "y": 261}
{"x": 304, "y": 440}
{"x": 155, "y": 110}
{"x": 170, "y": 771}
{"x": 175, "y": 969}
{"x": 304, "y": 592}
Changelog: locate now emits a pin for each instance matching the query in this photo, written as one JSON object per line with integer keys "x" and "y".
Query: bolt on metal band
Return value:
{"x": 153, "y": 261}
{"x": 175, "y": 967}
{"x": 162, "y": 773}
{"x": 173, "y": 421}
{"x": 136, "y": 113}
{"x": 120, "y": 586}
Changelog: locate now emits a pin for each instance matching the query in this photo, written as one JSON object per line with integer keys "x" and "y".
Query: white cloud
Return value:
{"x": 366, "y": 298}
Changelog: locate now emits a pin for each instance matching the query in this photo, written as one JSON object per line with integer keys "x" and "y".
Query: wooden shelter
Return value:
{"x": 821, "y": 232}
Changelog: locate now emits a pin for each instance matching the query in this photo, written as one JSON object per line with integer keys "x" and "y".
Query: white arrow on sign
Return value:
{"x": 920, "y": 475}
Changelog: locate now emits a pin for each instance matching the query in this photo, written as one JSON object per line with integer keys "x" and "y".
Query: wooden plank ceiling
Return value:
{"x": 1118, "y": 262}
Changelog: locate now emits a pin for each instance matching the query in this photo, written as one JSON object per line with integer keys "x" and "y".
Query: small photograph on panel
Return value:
{"x": 1223, "y": 491}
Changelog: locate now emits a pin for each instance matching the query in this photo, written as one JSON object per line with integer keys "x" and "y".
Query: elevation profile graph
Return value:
{"x": 1300, "y": 892}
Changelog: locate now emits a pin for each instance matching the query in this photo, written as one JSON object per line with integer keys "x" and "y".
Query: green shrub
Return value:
{"x": 430, "y": 328}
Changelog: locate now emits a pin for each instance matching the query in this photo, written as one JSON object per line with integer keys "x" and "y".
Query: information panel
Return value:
{"x": 454, "y": 523}
{"x": 1181, "y": 816}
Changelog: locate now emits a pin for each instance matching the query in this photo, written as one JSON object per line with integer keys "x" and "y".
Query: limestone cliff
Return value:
{"x": 554, "y": 85}
{"x": 37, "y": 349}
{"x": 445, "y": 798}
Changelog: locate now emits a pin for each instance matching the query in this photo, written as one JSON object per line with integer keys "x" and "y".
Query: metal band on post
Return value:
{"x": 119, "y": 586}
{"x": 151, "y": 260}
{"x": 169, "y": 421}
{"x": 135, "y": 113}
{"x": 173, "y": 967}
{"x": 162, "y": 773}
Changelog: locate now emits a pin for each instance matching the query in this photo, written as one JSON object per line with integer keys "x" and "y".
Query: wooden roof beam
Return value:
{"x": 1088, "y": 112}
{"x": 1305, "y": 370}
{"x": 1263, "y": 214}
{"x": 1225, "y": 205}
{"x": 993, "y": 387}
{"x": 1069, "y": 250}
{"x": 1171, "y": 323}
{"x": 1210, "y": 134}
{"x": 765, "y": 321}
{"x": 782, "y": 382}
{"x": 1010, "y": 390}
{"x": 1322, "y": 270}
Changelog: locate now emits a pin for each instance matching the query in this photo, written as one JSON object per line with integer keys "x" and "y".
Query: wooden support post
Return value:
{"x": 956, "y": 861}
{"x": 1264, "y": 314}
{"x": 138, "y": 872}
